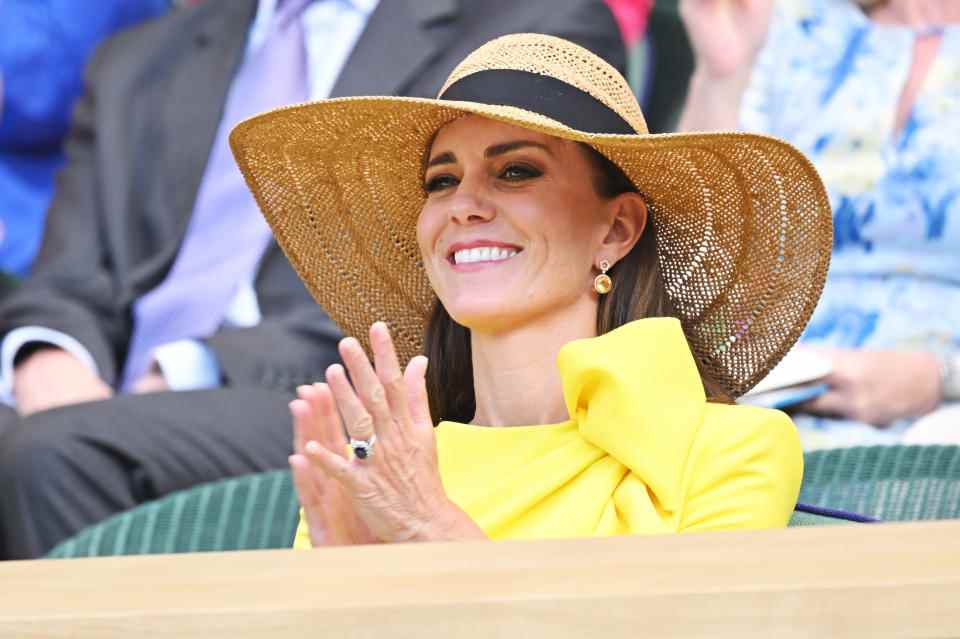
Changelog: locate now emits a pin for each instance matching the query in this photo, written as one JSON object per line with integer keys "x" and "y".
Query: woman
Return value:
{"x": 871, "y": 92}
{"x": 499, "y": 231}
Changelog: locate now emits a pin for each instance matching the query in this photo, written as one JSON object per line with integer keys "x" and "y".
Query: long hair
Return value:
{"x": 638, "y": 292}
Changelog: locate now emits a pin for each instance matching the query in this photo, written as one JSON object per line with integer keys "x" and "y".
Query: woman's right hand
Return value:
{"x": 327, "y": 508}
{"x": 726, "y": 35}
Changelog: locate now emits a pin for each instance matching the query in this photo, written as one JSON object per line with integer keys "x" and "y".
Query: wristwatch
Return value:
{"x": 950, "y": 376}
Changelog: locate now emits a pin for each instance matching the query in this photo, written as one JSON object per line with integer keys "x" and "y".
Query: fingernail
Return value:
{"x": 312, "y": 446}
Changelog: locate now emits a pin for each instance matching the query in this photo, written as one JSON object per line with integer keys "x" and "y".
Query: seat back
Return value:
{"x": 889, "y": 483}
{"x": 242, "y": 513}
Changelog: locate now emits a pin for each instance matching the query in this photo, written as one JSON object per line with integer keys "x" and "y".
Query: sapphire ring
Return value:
{"x": 363, "y": 448}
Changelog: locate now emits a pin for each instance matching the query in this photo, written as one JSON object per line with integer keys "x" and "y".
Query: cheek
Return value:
{"x": 572, "y": 230}
{"x": 427, "y": 229}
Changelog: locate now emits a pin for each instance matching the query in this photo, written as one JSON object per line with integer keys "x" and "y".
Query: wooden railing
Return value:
{"x": 891, "y": 580}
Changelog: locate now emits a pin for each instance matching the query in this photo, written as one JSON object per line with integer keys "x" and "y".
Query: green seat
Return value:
{"x": 892, "y": 483}
{"x": 800, "y": 518}
{"x": 242, "y": 513}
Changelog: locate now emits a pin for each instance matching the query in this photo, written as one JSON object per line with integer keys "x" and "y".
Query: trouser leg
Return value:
{"x": 65, "y": 469}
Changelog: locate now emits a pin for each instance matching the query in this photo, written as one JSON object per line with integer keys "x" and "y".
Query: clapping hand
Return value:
{"x": 726, "y": 35}
{"x": 395, "y": 493}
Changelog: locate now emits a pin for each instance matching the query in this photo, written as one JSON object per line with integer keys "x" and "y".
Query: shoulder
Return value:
{"x": 175, "y": 34}
{"x": 820, "y": 21}
{"x": 734, "y": 440}
{"x": 734, "y": 426}
{"x": 744, "y": 469}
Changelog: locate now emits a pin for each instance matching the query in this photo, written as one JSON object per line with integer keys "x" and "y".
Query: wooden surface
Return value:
{"x": 887, "y": 580}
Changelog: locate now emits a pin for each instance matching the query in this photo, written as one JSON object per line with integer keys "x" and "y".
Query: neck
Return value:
{"x": 515, "y": 375}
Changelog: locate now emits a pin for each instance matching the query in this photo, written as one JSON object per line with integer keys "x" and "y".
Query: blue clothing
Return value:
{"x": 44, "y": 46}
{"x": 829, "y": 82}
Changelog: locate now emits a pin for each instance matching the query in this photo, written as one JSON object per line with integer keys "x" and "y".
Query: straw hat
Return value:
{"x": 744, "y": 224}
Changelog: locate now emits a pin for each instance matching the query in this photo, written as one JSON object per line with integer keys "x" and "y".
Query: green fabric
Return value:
{"x": 890, "y": 483}
{"x": 244, "y": 513}
{"x": 809, "y": 519}
{"x": 8, "y": 282}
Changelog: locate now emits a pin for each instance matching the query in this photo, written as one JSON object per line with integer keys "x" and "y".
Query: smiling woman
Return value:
{"x": 588, "y": 297}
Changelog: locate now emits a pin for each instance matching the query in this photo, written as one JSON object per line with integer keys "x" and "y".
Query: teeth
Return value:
{"x": 483, "y": 254}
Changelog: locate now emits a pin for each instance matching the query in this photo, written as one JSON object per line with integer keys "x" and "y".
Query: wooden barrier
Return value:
{"x": 892, "y": 580}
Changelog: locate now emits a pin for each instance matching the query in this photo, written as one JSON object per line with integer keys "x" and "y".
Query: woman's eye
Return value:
{"x": 516, "y": 172}
{"x": 439, "y": 182}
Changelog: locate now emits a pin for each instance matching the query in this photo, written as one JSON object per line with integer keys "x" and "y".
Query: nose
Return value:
{"x": 470, "y": 205}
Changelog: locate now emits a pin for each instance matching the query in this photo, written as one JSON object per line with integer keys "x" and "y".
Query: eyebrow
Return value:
{"x": 498, "y": 149}
{"x": 506, "y": 147}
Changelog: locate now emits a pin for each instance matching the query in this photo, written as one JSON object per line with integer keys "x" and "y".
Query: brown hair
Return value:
{"x": 639, "y": 292}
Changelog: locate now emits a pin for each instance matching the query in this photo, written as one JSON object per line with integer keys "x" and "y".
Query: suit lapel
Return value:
{"x": 200, "y": 53}
{"x": 197, "y": 94}
{"x": 400, "y": 39}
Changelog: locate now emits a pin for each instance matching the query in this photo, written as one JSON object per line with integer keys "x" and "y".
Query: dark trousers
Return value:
{"x": 64, "y": 469}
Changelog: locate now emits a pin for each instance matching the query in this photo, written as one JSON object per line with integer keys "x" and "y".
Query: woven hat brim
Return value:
{"x": 744, "y": 223}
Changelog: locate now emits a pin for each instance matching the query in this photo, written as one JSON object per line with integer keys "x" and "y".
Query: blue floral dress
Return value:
{"x": 829, "y": 81}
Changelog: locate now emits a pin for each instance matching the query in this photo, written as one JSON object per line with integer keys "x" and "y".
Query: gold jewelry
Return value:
{"x": 602, "y": 283}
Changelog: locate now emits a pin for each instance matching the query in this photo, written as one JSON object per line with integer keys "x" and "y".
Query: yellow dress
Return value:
{"x": 644, "y": 452}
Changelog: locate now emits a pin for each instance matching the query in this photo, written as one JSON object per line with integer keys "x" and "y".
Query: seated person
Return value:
{"x": 577, "y": 301}
{"x": 44, "y": 47}
{"x": 161, "y": 333}
{"x": 869, "y": 91}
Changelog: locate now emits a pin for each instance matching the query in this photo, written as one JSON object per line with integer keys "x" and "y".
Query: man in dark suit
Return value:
{"x": 155, "y": 274}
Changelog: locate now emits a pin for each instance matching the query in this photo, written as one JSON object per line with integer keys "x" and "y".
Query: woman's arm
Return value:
{"x": 726, "y": 36}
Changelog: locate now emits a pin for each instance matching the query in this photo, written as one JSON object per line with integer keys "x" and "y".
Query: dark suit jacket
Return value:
{"x": 140, "y": 139}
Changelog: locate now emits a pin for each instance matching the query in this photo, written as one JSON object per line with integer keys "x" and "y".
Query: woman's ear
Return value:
{"x": 626, "y": 227}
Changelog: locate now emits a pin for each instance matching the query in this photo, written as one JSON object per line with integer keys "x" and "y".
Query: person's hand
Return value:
{"x": 152, "y": 381}
{"x": 52, "y": 377}
{"x": 878, "y": 387}
{"x": 330, "y": 516}
{"x": 918, "y": 14}
{"x": 726, "y": 35}
{"x": 396, "y": 491}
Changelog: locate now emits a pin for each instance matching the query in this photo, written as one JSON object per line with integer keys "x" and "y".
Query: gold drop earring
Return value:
{"x": 602, "y": 283}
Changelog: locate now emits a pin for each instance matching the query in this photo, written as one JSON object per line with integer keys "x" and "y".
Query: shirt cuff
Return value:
{"x": 188, "y": 365}
{"x": 20, "y": 337}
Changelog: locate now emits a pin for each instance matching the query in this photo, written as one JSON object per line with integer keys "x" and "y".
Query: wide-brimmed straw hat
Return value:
{"x": 743, "y": 221}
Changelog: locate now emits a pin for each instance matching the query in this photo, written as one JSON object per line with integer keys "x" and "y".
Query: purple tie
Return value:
{"x": 227, "y": 235}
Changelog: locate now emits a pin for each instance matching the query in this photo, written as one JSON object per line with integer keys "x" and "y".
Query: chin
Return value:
{"x": 484, "y": 313}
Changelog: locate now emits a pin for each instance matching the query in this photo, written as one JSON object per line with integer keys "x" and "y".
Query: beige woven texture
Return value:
{"x": 744, "y": 223}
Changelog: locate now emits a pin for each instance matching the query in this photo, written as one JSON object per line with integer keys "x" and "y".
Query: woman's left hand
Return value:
{"x": 396, "y": 490}
{"x": 878, "y": 387}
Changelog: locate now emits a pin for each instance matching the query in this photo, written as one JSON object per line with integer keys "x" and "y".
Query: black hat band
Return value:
{"x": 541, "y": 94}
